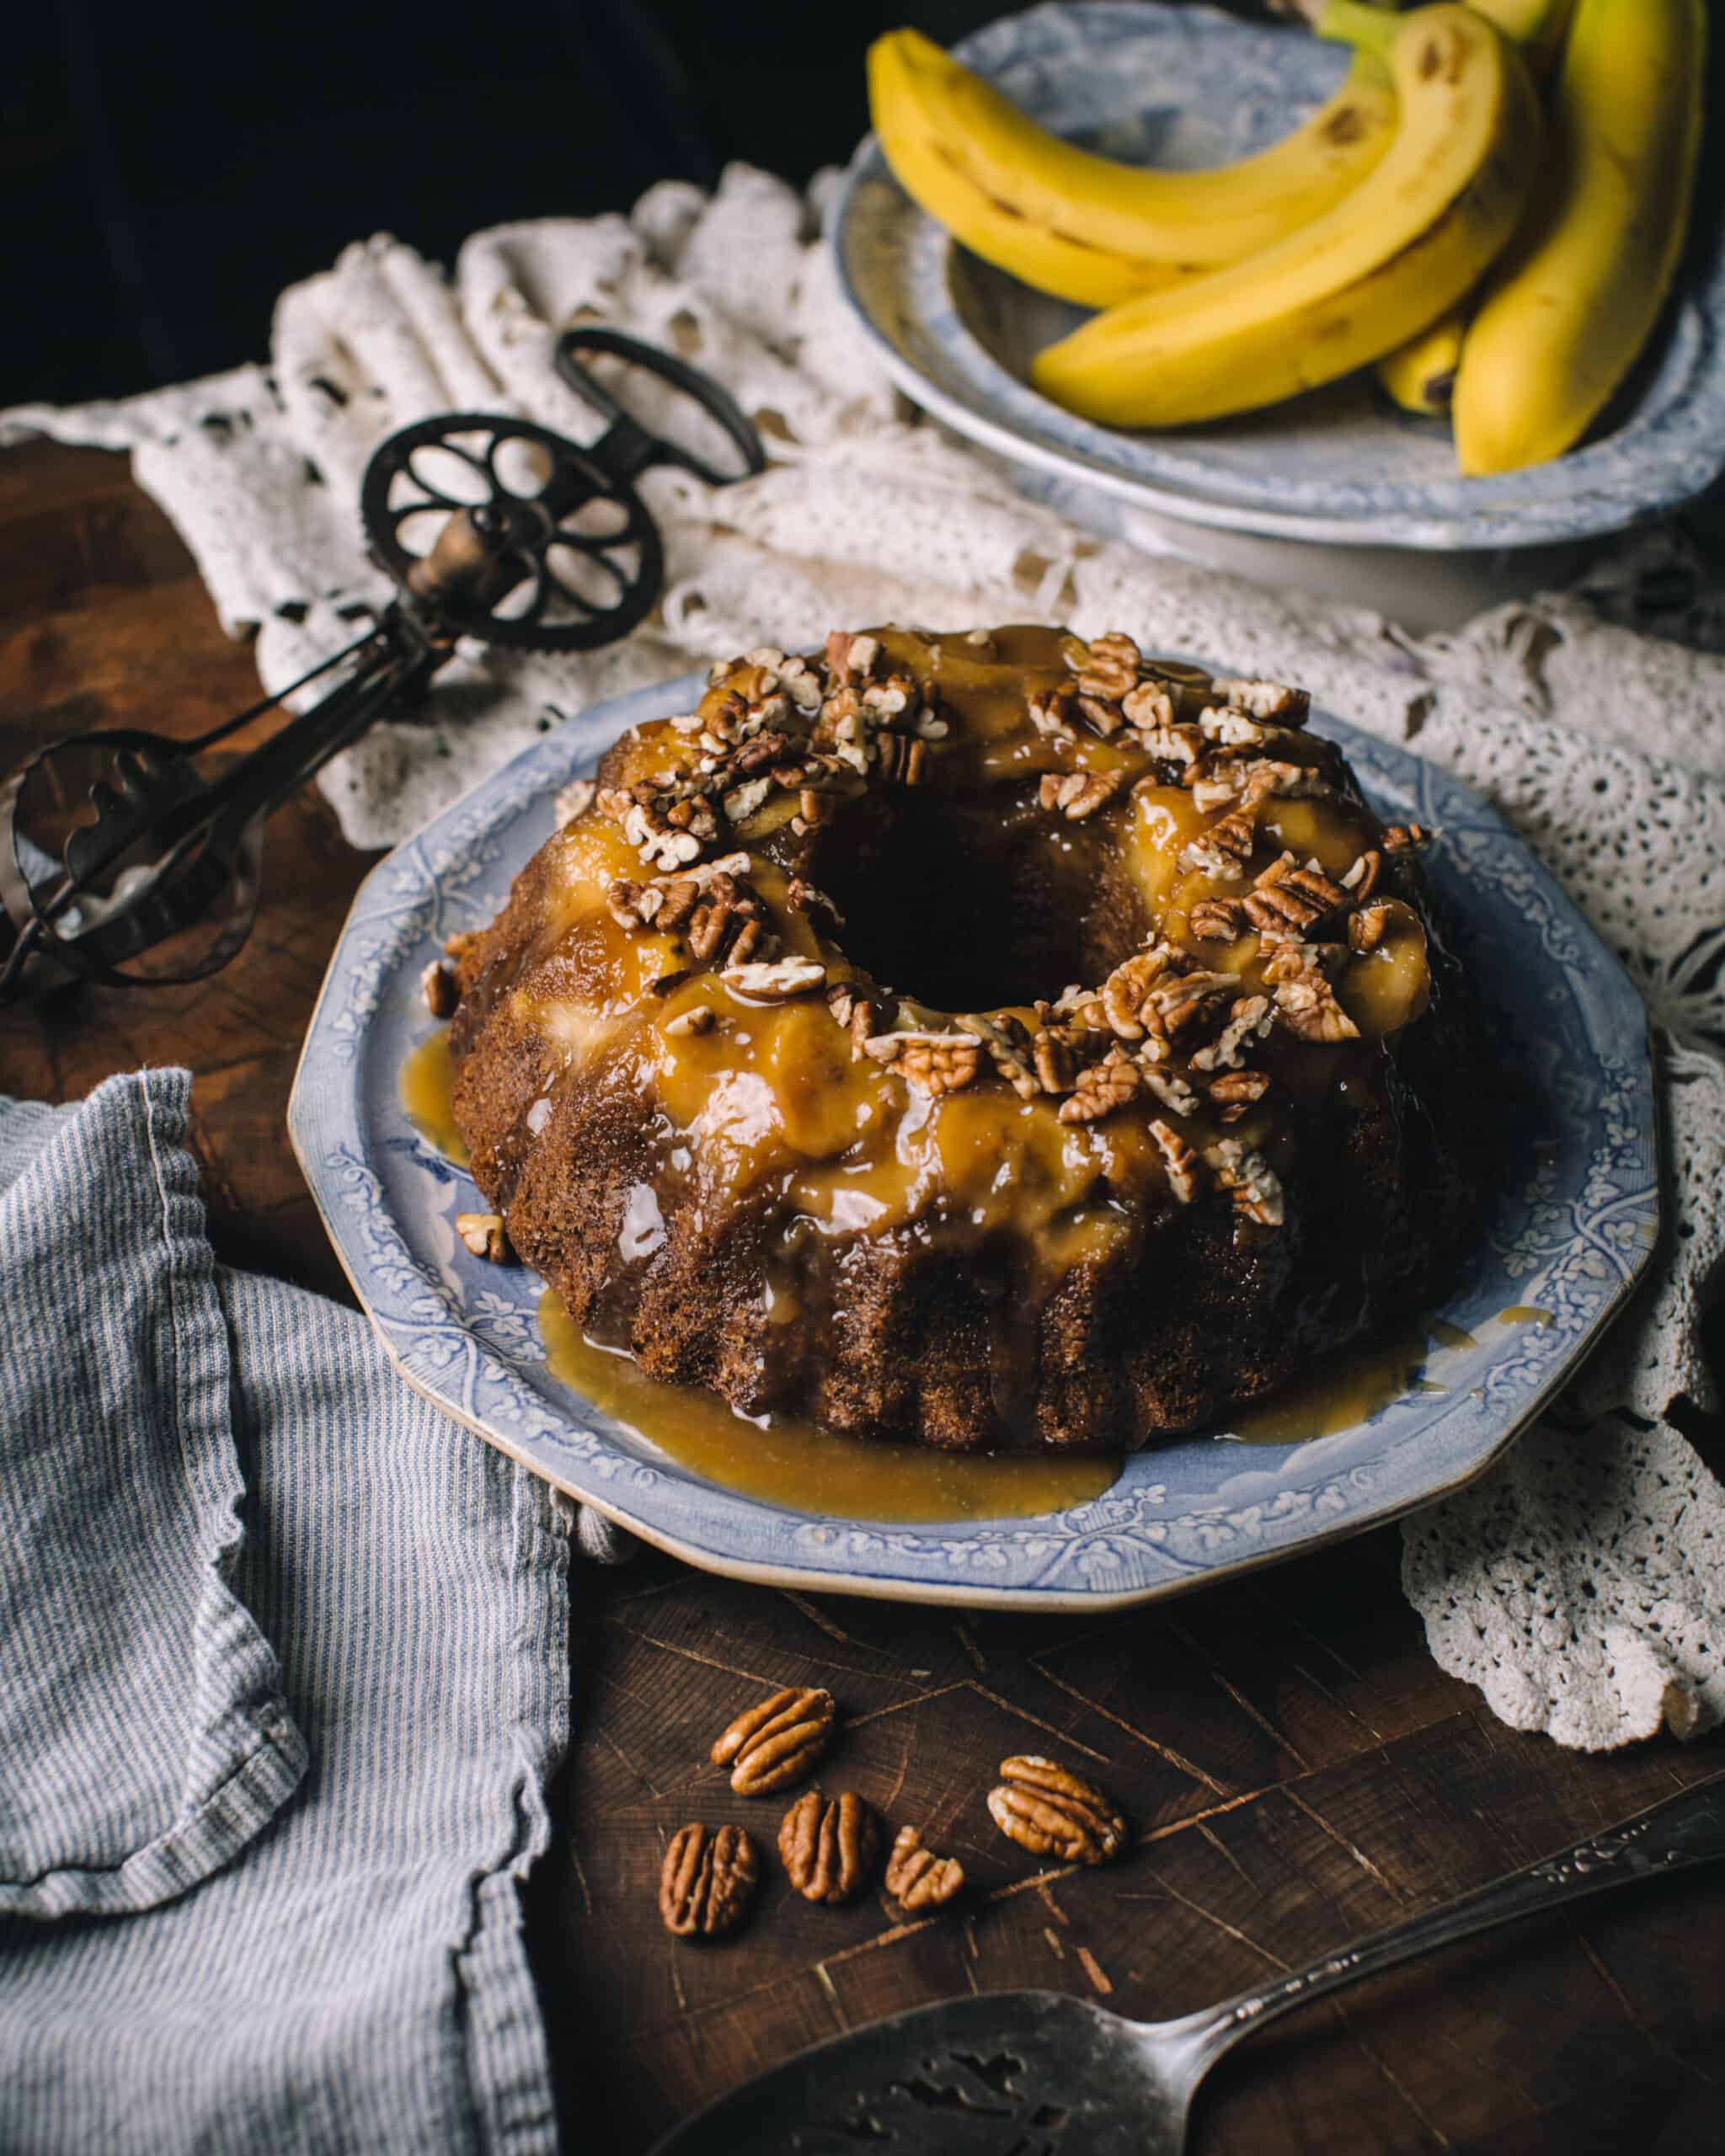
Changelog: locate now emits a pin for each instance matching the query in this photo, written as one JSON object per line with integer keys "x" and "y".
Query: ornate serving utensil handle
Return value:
{"x": 1688, "y": 1830}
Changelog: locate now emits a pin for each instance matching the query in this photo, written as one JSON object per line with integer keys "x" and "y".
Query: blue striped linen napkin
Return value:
{"x": 286, "y": 1674}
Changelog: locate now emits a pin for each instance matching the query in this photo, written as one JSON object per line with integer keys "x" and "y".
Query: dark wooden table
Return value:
{"x": 1295, "y": 1766}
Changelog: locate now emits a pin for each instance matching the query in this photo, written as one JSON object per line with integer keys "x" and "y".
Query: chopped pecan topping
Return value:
{"x": 1234, "y": 1091}
{"x": 1179, "y": 1003}
{"x": 1102, "y": 717}
{"x": 732, "y": 932}
{"x": 935, "y": 1063}
{"x": 1102, "y": 1088}
{"x": 849, "y": 657}
{"x": 574, "y": 799}
{"x": 1126, "y": 993}
{"x": 437, "y": 985}
{"x": 1298, "y": 898}
{"x": 828, "y": 1846}
{"x": 776, "y": 982}
{"x": 744, "y": 801}
{"x": 1078, "y": 794}
{"x": 1251, "y": 1015}
{"x": 456, "y": 948}
{"x": 1110, "y": 668}
{"x": 1232, "y": 729}
{"x": 1008, "y": 1045}
{"x": 778, "y": 1740}
{"x": 1223, "y": 849}
{"x": 902, "y": 759}
{"x": 634, "y": 905}
{"x": 1362, "y": 878}
{"x": 1365, "y": 929}
{"x": 698, "y": 1018}
{"x": 1263, "y": 699}
{"x": 1256, "y": 1187}
{"x": 1169, "y": 1088}
{"x": 483, "y": 1234}
{"x": 803, "y": 897}
{"x": 864, "y": 1012}
{"x": 1149, "y": 709}
{"x": 1305, "y": 1003}
{"x": 1185, "y": 1171}
{"x": 707, "y": 1881}
{"x": 1218, "y": 920}
{"x": 1051, "y": 1053}
{"x": 1179, "y": 745}
{"x": 916, "y": 1878}
{"x": 1050, "y": 712}
{"x": 1051, "y": 1811}
{"x": 1402, "y": 838}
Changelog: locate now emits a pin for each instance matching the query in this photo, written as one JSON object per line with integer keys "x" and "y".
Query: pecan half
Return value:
{"x": 1185, "y": 1172}
{"x": 1008, "y": 1045}
{"x": 1362, "y": 878}
{"x": 1365, "y": 929}
{"x": 904, "y": 759}
{"x": 1078, "y": 794}
{"x": 1295, "y": 901}
{"x": 828, "y": 1844}
{"x": 775, "y": 983}
{"x": 916, "y": 1878}
{"x": 483, "y": 1234}
{"x": 1110, "y": 667}
{"x": 1235, "y": 1090}
{"x": 1056, "y": 1066}
{"x": 1305, "y": 1003}
{"x": 437, "y": 985}
{"x": 778, "y": 1740}
{"x": 1126, "y": 992}
{"x": 1051, "y": 1811}
{"x": 1256, "y": 1186}
{"x": 707, "y": 1881}
{"x": 1263, "y": 699}
{"x": 936, "y": 1062}
{"x": 1402, "y": 838}
{"x": 1102, "y": 1088}
{"x": 1218, "y": 920}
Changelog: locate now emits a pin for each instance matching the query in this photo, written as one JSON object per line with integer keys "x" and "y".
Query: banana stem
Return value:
{"x": 1352, "y": 22}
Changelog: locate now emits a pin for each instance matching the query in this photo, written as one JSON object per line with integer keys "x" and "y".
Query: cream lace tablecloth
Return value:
{"x": 1582, "y": 1585}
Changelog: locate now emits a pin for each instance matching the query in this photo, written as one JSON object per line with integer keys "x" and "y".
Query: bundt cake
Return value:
{"x": 983, "y": 1039}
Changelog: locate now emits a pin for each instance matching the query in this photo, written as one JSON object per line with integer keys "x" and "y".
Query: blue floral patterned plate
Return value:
{"x": 1189, "y": 86}
{"x": 1573, "y": 1228}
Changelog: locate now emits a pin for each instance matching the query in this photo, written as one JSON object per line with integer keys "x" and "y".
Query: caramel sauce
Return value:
{"x": 1526, "y": 1314}
{"x": 1347, "y": 1386}
{"x": 808, "y": 1470}
{"x": 427, "y": 1080}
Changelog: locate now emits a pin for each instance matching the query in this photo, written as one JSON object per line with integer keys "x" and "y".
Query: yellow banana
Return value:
{"x": 1537, "y": 26}
{"x": 1085, "y": 227}
{"x": 1577, "y": 296}
{"x": 1420, "y": 375}
{"x": 1339, "y": 292}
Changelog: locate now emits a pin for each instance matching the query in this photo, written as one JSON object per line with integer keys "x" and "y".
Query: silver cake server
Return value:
{"x": 1037, "y": 2074}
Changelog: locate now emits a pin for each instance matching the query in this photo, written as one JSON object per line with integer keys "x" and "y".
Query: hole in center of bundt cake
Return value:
{"x": 970, "y": 902}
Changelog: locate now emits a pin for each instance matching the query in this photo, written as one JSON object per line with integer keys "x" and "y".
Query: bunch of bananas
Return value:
{"x": 1495, "y": 253}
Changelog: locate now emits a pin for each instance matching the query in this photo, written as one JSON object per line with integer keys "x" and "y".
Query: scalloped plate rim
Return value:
{"x": 333, "y": 1049}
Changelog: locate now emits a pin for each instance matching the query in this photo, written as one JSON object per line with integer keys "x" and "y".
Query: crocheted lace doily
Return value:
{"x": 1582, "y": 1585}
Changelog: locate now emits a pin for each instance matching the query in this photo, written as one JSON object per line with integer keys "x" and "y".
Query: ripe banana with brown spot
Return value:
{"x": 1407, "y": 243}
{"x": 1088, "y": 228}
{"x": 1577, "y": 296}
{"x": 1420, "y": 375}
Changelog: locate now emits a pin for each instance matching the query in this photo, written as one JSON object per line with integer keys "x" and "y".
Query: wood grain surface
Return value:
{"x": 1294, "y": 1767}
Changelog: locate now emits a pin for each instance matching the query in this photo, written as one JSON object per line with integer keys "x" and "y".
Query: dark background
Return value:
{"x": 165, "y": 170}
